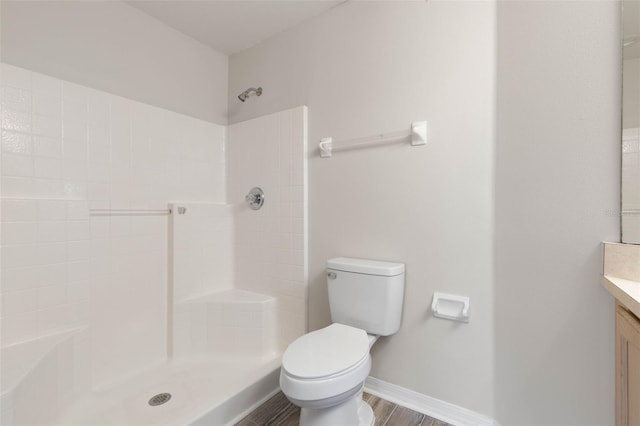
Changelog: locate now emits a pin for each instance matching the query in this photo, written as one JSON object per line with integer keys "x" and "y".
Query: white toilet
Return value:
{"x": 323, "y": 372}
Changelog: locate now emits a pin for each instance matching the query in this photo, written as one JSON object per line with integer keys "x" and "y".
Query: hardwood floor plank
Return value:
{"x": 277, "y": 407}
{"x": 278, "y": 411}
{"x": 246, "y": 422}
{"x": 289, "y": 418}
{"x": 405, "y": 417}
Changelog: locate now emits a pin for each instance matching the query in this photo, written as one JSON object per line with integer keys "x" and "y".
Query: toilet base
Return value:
{"x": 365, "y": 414}
{"x": 352, "y": 412}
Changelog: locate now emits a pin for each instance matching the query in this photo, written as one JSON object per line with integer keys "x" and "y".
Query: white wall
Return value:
{"x": 557, "y": 180}
{"x": 66, "y": 149}
{"x": 201, "y": 247}
{"x": 370, "y": 67}
{"x": 110, "y": 46}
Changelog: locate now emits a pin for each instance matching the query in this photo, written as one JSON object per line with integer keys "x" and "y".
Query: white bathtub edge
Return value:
{"x": 240, "y": 405}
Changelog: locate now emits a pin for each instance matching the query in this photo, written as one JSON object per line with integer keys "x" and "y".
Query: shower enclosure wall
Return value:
{"x": 107, "y": 302}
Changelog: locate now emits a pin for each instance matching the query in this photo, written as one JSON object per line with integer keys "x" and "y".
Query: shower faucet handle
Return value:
{"x": 255, "y": 198}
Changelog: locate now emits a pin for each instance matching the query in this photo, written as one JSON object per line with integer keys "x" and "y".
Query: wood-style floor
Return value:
{"x": 279, "y": 411}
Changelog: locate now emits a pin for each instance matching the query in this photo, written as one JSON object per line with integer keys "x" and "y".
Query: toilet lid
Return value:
{"x": 326, "y": 352}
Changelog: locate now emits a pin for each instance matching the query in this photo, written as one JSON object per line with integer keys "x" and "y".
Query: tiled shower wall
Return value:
{"x": 202, "y": 249}
{"x": 66, "y": 149}
{"x": 271, "y": 243}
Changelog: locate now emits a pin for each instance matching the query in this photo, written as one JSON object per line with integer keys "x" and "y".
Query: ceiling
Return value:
{"x": 232, "y": 26}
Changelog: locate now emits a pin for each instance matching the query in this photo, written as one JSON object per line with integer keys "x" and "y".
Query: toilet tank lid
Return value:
{"x": 366, "y": 266}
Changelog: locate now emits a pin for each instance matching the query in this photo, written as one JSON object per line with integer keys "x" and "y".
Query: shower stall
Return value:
{"x": 138, "y": 285}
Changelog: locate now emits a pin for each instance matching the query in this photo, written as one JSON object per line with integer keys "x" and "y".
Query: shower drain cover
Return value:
{"x": 159, "y": 399}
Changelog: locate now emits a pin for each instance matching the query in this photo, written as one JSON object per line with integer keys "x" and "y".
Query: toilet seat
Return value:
{"x": 325, "y": 363}
{"x": 326, "y": 352}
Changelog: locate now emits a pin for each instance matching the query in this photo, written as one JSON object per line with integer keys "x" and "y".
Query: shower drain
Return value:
{"x": 159, "y": 399}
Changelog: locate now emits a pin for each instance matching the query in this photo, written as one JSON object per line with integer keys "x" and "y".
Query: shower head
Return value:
{"x": 244, "y": 95}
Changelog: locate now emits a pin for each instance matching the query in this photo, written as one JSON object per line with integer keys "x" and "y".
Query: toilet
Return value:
{"x": 323, "y": 372}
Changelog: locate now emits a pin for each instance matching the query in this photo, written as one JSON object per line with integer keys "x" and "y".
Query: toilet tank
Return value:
{"x": 366, "y": 294}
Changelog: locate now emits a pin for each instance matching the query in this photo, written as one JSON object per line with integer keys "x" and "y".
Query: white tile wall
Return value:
{"x": 65, "y": 149}
{"x": 226, "y": 323}
{"x": 48, "y": 373}
{"x": 202, "y": 257}
{"x": 271, "y": 246}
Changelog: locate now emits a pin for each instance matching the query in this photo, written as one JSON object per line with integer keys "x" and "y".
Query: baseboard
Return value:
{"x": 424, "y": 404}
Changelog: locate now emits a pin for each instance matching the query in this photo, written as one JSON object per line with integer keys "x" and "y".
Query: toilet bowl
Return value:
{"x": 323, "y": 372}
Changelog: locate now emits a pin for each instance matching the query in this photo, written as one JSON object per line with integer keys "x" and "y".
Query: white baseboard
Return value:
{"x": 424, "y": 404}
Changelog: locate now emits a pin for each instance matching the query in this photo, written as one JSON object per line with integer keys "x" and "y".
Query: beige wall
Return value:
{"x": 554, "y": 167}
{"x": 110, "y": 46}
{"x": 558, "y": 171}
{"x": 364, "y": 68}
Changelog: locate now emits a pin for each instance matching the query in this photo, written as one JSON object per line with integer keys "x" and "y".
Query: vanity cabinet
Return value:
{"x": 627, "y": 367}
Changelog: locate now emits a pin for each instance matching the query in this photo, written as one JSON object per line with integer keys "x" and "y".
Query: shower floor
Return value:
{"x": 203, "y": 391}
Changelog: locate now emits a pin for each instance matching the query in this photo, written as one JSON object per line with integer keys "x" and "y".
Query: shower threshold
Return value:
{"x": 203, "y": 391}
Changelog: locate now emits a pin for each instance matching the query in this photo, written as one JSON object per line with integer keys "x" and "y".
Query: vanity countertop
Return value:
{"x": 626, "y": 292}
{"x": 621, "y": 274}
